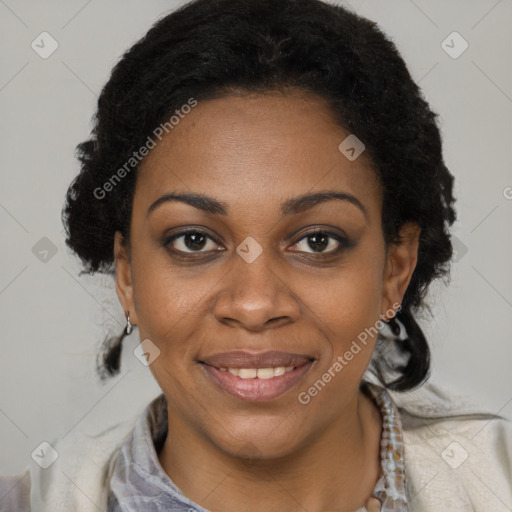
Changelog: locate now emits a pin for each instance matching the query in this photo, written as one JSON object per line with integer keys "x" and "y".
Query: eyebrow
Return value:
{"x": 291, "y": 206}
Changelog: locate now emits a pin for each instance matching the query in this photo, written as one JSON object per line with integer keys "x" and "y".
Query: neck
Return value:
{"x": 337, "y": 470}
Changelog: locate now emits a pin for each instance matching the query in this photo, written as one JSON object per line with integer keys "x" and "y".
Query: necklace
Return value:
{"x": 389, "y": 493}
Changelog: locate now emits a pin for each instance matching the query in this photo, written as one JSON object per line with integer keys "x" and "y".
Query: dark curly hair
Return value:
{"x": 213, "y": 48}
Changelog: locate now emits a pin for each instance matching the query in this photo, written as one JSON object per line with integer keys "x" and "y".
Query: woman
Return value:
{"x": 266, "y": 184}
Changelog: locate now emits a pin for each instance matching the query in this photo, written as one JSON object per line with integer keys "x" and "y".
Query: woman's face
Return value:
{"x": 252, "y": 291}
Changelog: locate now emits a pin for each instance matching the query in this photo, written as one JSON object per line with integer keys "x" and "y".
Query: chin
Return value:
{"x": 260, "y": 437}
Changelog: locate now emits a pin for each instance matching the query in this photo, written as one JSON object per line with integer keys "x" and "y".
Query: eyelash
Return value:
{"x": 343, "y": 242}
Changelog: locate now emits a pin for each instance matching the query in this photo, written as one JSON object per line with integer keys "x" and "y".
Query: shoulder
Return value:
{"x": 78, "y": 479}
{"x": 458, "y": 456}
{"x": 15, "y": 493}
{"x": 72, "y": 474}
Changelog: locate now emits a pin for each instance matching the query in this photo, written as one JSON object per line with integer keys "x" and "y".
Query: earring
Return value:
{"x": 129, "y": 328}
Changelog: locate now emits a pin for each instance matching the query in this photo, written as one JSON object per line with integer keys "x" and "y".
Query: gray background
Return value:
{"x": 53, "y": 321}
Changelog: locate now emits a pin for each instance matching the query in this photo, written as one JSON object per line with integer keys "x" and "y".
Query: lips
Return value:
{"x": 256, "y": 377}
{"x": 242, "y": 359}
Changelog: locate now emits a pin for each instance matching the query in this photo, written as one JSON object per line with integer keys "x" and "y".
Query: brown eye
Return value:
{"x": 320, "y": 242}
{"x": 190, "y": 241}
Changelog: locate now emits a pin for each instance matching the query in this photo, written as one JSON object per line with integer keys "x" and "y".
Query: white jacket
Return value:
{"x": 457, "y": 459}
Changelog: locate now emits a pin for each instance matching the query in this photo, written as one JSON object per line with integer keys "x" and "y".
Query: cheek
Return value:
{"x": 348, "y": 306}
{"x": 351, "y": 299}
{"x": 168, "y": 313}
{"x": 167, "y": 302}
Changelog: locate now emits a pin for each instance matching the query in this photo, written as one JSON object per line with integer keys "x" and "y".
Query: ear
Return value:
{"x": 400, "y": 264}
{"x": 124, "y": 284}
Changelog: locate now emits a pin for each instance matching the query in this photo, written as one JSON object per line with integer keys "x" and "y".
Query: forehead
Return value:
{"x": 253, "y": 148}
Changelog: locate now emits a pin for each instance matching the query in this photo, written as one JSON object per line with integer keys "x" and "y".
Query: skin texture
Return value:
{"x": 252, "y": 152}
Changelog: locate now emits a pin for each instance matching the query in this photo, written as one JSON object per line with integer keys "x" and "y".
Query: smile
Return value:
{"x": 256, "y": 377}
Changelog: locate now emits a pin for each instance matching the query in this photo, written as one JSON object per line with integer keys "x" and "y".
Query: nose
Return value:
{"x": 255, "y": 297}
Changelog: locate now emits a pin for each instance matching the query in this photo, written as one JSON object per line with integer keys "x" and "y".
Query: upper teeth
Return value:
{"x": 260, "y": 373}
